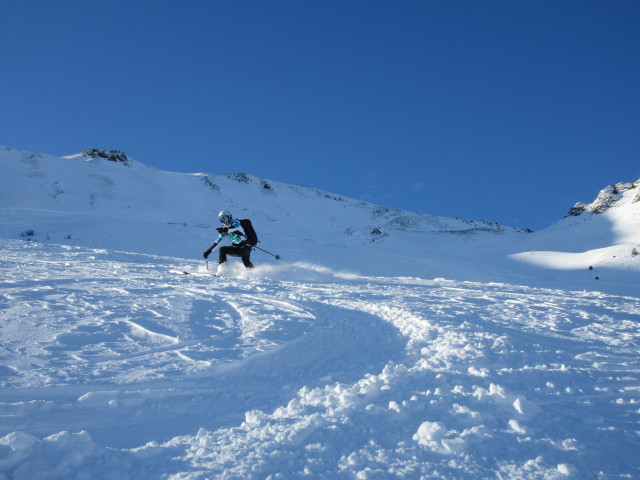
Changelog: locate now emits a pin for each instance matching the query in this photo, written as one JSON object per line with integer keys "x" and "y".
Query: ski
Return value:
{"x": 194, "y": 274}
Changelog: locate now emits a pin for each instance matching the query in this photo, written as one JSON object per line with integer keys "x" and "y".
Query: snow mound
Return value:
{"x": 62, "y": 455}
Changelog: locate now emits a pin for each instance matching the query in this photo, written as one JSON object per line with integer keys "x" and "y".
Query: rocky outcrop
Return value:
{"x": 608, "y": 198}
{"x": 110, "y": 155}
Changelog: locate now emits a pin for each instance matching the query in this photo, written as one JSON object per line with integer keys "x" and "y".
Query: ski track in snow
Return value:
{"x": 115, "y": 365}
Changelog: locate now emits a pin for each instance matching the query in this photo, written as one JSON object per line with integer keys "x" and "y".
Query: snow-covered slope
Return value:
{"x": 117, "y": 203}
{"x": 112, "y": 366}
{"x": 384, "y": 345}
{"x": 603, "y": 236}
{"x": 90, "y": 200}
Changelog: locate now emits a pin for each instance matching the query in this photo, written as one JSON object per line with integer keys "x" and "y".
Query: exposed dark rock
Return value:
{"x": 240, "y": 177}
{"x": 110, "y": 155}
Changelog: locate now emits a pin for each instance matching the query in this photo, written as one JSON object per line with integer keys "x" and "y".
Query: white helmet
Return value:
{"x": 225, "y": 216}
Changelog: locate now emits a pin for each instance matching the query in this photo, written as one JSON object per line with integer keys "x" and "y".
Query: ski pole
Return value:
{"x": 262, "y": 249}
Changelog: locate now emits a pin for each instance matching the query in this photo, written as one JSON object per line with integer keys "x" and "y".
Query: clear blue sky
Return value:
{"x": 508, "y": 111}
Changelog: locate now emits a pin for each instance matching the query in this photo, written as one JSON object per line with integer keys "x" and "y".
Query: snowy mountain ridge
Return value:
{"x": 99, "y": 187}
{"x": 384, "y": 344}
{"x": 105, "y": 199}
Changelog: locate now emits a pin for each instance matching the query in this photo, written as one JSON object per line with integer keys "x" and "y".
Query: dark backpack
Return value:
{"x": 250, "y": 233}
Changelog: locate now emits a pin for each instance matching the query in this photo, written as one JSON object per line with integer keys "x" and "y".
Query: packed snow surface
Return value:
{"x": 383, "y": 345}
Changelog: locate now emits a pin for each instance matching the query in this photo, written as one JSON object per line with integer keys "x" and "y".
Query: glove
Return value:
{"x": 222, "y": 229}
{"x": 209, "y": 250}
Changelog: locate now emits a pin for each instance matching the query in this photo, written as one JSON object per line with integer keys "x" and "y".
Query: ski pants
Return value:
{"x": 243, "y": 252}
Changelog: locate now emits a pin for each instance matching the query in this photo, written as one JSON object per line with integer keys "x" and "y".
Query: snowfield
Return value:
{"x": 119, "y": 365}
{"x": 482, "y": 352}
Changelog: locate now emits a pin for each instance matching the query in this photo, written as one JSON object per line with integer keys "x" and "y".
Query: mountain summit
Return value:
{"x": 110, "y": 155}
{"x": 613, "y": 196}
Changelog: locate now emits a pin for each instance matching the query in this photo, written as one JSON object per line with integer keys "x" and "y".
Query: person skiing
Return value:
{"x": 240, "y": 243}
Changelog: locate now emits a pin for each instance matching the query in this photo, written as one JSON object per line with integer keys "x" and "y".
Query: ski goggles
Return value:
{"x": 225, "y": 219}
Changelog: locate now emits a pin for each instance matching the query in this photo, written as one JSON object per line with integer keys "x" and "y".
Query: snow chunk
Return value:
{"x": 516, "y": 427}
{"x": 18, "y": 441}
{"x": 393, "y": 405}
{"x": 478, "y": 372}
{"x": 567, "y": 469}
{"x": 432, "y": 435}
{"x": 525, "y": 407}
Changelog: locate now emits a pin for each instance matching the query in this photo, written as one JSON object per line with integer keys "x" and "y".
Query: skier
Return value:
{"x": 242, "y": 239}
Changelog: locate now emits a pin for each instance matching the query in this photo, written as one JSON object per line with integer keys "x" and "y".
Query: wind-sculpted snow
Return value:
{"x": 119, "y": 365}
